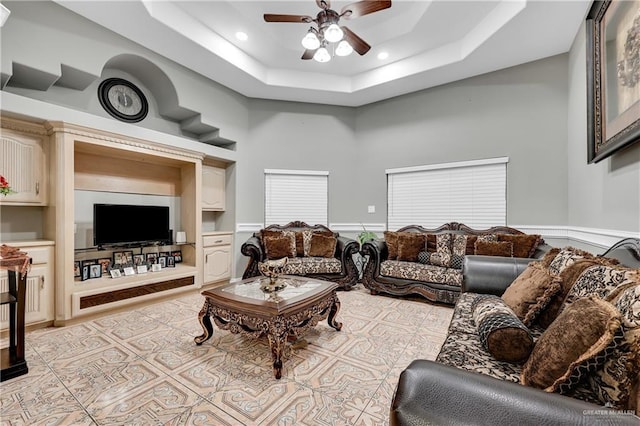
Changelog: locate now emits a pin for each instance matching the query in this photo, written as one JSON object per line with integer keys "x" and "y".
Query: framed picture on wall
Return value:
{"x": 613, "y": 77}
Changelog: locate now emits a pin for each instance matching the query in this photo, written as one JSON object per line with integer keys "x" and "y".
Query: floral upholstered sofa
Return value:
{"x": 554, "y": 341}
{"x": 428, "y": 262}
{"x": 312, "y": 251}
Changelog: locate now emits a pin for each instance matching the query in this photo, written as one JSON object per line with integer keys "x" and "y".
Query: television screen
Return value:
{"x": 121, "y": 224}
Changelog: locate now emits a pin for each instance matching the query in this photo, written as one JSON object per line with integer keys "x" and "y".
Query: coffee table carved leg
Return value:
{"x": 205, "y": 322}
{"x": 277, "y": 343}
{"x": 333, "y": 311}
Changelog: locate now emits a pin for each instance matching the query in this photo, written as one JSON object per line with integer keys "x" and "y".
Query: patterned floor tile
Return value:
{"x": 143, "y": 367}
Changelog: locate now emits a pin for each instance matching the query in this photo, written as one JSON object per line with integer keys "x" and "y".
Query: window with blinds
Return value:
{"x": 469, "y": 192}
{"x": 296, "y": 195}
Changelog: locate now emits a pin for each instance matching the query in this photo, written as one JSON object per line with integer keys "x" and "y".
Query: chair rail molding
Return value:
{"x": 599, "y": 237}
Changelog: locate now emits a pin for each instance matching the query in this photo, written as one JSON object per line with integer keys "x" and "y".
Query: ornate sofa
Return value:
{"x": 337, "y": 265}
{"x": 467, "y": 384}
{"x": 438, "y": 283}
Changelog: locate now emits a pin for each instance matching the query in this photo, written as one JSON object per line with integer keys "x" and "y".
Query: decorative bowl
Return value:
{"x": 272, "y": 269}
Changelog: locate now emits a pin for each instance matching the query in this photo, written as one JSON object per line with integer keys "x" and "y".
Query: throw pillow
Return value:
{"x": 456, "y": 261}
{"x": 577, "y": 341}
{"x": 279, "y": 247}
{"x": 423, "y": 257}
{"x": 322, "y": 246}
{"x": 567, "y": 279}
{"x": 431, "y": 243}
{"x": 531, "y": 292}
{"x": 494, "y": 248}
{"x": 524, "y": 245}
{"x": 566, "y": 257}
{"x": 616, "y": 381}
{"x": 442, "y": 256}
{"x": 306, "y": 239}
{"x": 500, "y": 330}
{"x": 601, "y": 281}
{"x": 292, "y": 234}
{"x": 391, "y": 238}
{"x": 409, "y": 245}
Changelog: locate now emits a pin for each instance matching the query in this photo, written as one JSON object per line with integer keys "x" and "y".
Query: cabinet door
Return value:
{"x": 22, "y": 163}
{"x": 36, "y": 296}
{"x": 217, "y": 263}
{"x": 213, "y": 182}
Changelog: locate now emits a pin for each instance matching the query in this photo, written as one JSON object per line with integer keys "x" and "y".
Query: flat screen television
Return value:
{"x": 115, "y": 224}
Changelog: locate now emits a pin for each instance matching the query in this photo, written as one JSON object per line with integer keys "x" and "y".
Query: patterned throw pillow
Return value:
{"x": 423, "y": 257}
{"x": 500, "y": 330}
{"x": 442, "y": 256}
{"x": 456, "y": 261}
{"x": 566, "y": 257}
{"x": 601, "y": 280}
{"x": 615, "y": 381}
{"x": 531, "y": 292}
{"x": 577, "y": 342}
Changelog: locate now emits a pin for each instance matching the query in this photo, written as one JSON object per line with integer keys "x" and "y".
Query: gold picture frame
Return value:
{"x": 613, "y": 77}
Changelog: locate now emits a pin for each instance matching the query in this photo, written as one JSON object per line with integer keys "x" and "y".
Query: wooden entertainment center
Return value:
{"x": 76, "y": 158}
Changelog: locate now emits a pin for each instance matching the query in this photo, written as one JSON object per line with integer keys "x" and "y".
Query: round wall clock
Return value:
{"x": 123, "y": 100}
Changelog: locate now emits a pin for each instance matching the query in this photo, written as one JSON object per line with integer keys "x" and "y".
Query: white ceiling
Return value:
{"x": 429, "y": 42}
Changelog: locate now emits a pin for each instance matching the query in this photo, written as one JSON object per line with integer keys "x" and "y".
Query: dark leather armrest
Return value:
{"x": 491, "y": 274}
{"x": 253, "y": 248}
{"x": 430, "y": 393}
{"x": 345, "y": 247}
{"x": 376, "y": 248}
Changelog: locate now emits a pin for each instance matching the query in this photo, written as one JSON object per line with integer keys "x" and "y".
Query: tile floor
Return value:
{"x": 142, "y": 367}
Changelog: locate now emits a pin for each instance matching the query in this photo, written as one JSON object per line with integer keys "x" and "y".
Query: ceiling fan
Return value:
{"x": 328, "y": 30}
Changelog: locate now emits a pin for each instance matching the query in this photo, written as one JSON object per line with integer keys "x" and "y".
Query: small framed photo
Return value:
{"x": 129, "y": 271}
{"x": 95, "y": 271}
{"x": 122, "y": 258}
{"x": 162, "y": 260}
{"x": 164, "y": 253}
{"x": 115, "y": 273}
{"x": 152, "y": 258}
{"x": 85, "y": 272}
{"x": 141, "y": 269}
{"x": 156, "y": 267}
{"x": 105, "y": 263}
{"x": 177, "y": 256}
{"x": 171, "y": 263}
{"x": 139, "y": 259}
{"x": 76, "y": 269}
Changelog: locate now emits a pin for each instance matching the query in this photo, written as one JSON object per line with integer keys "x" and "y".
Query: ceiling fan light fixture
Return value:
{"x": 344, "y": 48}
{"x": 322, "y": 55}
{"x": 333, "y": 33}
{"x": 310, "y": 41}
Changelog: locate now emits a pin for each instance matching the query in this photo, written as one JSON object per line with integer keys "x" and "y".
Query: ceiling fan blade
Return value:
{"x": 308, "y": 54}
{"x": 365, "y": 7}
{"x": 324, "y": 4}
{"x": 272, "y": 17}
{"x": 358, "y": 44}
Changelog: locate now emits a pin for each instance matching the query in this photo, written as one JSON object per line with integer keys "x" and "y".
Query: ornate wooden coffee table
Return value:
{"x": 244, "y": 307}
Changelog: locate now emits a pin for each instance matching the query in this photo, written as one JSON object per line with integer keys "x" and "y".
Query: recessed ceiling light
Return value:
{"x": 383, "y": 55}
{"x": 242, "y": 36}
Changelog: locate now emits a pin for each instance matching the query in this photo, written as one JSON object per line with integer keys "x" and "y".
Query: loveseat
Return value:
{"x": 423, "y": 270}
{"x": 467, "y": 384}
{"x": 311, "y": 251}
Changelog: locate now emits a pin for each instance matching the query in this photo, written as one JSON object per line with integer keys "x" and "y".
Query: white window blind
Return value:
{"x": 470, "y": 192}
{"x": 296, "y": 195}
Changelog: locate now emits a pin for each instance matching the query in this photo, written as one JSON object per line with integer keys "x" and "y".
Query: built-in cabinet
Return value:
{"x": 22, "y": 163}
{"x": 213, "y": 188}
{"x": 40, "y": 284}
{"x": 48, "y": 163}
{"x": 217, "y": 256}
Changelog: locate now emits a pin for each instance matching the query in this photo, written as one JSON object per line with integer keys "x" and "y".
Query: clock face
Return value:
{"x": 123, "y": 100}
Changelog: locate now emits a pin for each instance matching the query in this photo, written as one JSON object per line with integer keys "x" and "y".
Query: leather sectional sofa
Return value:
{"x": 467, "y": 385}
{"x": 437, "y": 283}
{"x": 335, "y": 265}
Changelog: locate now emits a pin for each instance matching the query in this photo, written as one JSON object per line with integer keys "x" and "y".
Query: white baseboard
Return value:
{"x": 598, "y": 237}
